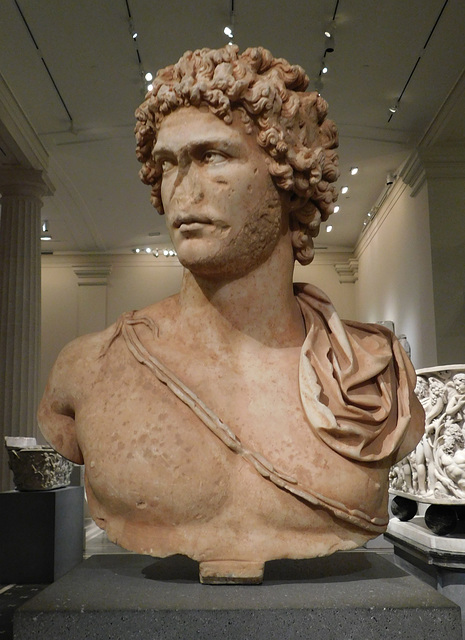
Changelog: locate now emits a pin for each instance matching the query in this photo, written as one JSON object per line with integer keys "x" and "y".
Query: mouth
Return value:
{"x": 185, "y": 222}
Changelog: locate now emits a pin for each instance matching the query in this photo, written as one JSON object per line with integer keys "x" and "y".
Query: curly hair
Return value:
{"x": 269, "y": 93}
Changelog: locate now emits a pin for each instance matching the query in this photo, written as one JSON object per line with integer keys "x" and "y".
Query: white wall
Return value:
{"x": 395, "y": 273}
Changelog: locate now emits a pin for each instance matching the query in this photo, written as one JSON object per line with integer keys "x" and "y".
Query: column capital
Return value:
{"x": 92, "y": 274}
{"x": 347, "y": 271}
{"x": 19, "y": 181}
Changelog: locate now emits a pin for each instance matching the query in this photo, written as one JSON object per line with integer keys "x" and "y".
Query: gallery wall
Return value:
{"x": 395, "y": 279}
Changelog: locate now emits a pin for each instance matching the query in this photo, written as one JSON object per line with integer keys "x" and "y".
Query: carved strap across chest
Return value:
{"x": 126, "y": 328}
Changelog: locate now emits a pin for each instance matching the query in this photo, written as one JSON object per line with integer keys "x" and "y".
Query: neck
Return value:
{"x": 260, "y": 304}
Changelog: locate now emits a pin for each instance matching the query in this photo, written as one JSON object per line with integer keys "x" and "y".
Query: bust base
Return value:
{"x": 355, "y": 594}
{"x": 227, "y": 572}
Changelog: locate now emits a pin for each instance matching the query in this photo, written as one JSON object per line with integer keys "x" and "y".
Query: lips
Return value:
{"x": 189, "y": 220}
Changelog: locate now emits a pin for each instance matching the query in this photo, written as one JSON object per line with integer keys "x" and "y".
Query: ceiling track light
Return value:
{"x": 45, "y": 234}
{"x": 329, "y": 43}
{"x": 132, "y": 29}
{"x": 167, "y": 253}
{"x": 324, "y": 66}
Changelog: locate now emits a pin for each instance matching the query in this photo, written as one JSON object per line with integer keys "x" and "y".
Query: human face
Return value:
{"x": 223, "y": 212}
{"x": 459, "y": 381}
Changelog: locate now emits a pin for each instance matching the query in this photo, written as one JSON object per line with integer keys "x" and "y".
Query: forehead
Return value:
{"x": 191, "y": 124}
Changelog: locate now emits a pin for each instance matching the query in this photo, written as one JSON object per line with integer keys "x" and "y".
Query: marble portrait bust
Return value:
{"x": 241, "y": 420}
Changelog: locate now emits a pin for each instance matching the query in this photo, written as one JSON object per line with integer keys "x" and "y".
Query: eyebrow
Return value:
{"x": 204, "y": 143}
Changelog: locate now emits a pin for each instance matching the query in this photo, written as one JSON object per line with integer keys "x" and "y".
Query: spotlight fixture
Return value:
{"x": 344, "y": 189}
{"x": 155, "y": 252}
{"x": 336, "y": 208}
{"x": 45, "y": 234}
{"x": 132, "y": 30}
{"x": 228, "y": 31}
{"x": 393, "y": 109}
{"x": 324, "y": 68}
{"x": 329, "y": 44}
{"x": 329, "y": 228}
{"x": 353, "y": 171}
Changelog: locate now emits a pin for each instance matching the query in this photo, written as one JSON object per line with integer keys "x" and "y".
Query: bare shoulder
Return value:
{"x": 82, "y": 355}
{"x": 73, "y": 373}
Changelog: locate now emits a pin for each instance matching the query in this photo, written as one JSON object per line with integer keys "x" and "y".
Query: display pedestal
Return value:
{"x": 436, "y": 560}
{"x": 41, "y": 534}
{"x": 348, "y": 595}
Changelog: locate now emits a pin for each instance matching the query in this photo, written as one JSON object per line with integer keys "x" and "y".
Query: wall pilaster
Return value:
{"x": 21, "y": 202}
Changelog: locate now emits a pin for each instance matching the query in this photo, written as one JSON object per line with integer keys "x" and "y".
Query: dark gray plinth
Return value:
{"x": 41, "y": 534}
{"x": 357, "y": 595}
{"x": 442, "y": 569}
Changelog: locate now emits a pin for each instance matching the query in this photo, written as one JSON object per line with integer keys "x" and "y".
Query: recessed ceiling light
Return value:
{"x": 336, "y": 208}
{"x": 353, "y": 171}
{"x": 45, "y": 237}
{"x": 148, "y": 76}
{"x": 329, "y": 228}
{"x": 344, "y": 189}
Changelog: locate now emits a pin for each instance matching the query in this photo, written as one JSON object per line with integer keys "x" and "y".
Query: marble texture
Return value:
{"x": 241, "y": 420}
{"x": 434, "y": 472}
{"x": 36, "y": 467}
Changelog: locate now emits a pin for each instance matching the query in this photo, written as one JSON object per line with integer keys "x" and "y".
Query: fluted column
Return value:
{"x": 21, "y": 191}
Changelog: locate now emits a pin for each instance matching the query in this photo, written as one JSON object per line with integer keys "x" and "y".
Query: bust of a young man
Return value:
{"x": 240, "y": 420}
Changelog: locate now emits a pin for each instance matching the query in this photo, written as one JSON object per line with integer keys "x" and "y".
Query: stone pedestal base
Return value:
{"x": 439, "y": 561}
{"x": 41, "y": 534}
{"x": 349, "y": 595}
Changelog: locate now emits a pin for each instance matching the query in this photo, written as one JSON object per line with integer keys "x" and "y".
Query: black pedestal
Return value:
{"x": 41, "y": 534}
{"x": 356, "y": 595}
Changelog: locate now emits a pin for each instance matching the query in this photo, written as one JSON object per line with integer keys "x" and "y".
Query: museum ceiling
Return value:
{"x": 70, "y": 80}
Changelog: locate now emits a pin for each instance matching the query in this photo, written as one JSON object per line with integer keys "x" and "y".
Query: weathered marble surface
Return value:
{"x": 240, "y": 420}
{"x": 435, "y": 471}
{"x": 36, "y": 467}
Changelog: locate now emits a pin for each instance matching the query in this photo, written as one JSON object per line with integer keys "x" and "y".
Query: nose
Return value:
{"x": 187, "y": 188}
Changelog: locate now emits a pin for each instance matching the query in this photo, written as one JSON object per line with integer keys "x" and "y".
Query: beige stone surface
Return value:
{"x": 240, "y": 420}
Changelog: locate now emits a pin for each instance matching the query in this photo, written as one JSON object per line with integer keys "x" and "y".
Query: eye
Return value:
{"x": 213, "y": 157}
{"x": 166, "y": 165}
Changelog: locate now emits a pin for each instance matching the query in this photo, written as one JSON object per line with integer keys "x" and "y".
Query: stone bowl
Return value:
{"x": 36, "y": 467}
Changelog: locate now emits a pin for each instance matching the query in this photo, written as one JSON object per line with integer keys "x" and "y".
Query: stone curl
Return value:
{"x": 269, "y": 93}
